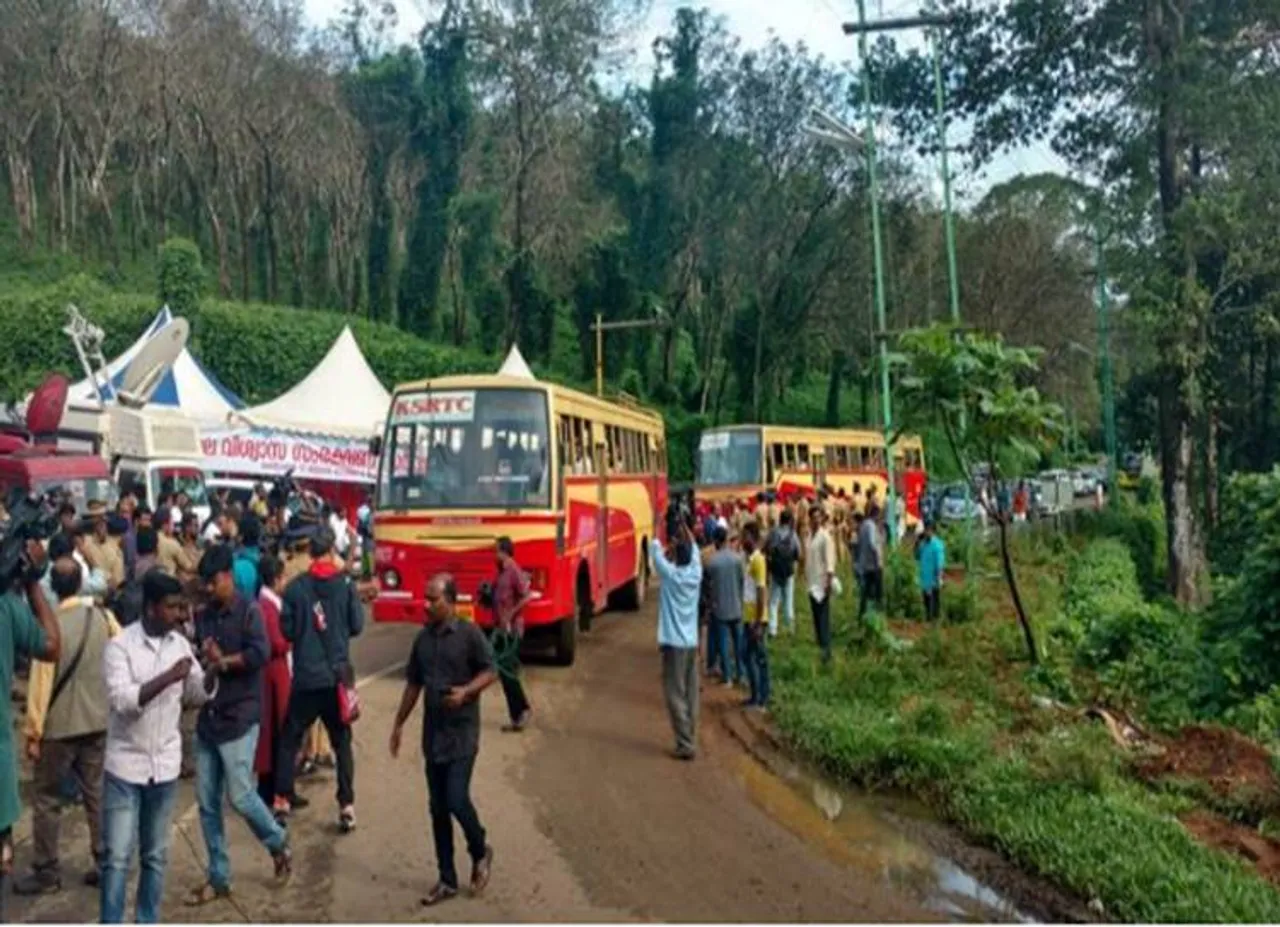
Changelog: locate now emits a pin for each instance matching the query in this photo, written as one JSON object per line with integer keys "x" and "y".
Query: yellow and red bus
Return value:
{"x": 740, "y": 461}
{"x": 579, "y": 483}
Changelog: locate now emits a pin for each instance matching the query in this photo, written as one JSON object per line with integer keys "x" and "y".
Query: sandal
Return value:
{"x": 439, "y": 892}
{"x": 283, "y": 860}
{"x": 206, "y": 893}
{"x": 347, "y": 820}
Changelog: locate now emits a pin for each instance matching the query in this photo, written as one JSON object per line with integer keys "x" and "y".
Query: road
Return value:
{"x": 590, "y": 819}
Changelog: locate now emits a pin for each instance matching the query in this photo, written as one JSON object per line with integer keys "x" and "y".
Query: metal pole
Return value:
{"x": 599, "y": 354}
{"x": 886, "y": 405}
{"x": 949, "y": 230}
{"x": 1108, "y": 387}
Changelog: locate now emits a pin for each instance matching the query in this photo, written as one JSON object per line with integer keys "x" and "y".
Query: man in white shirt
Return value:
{"x": 150, "y": 671}
{"x": 819, "y": 574}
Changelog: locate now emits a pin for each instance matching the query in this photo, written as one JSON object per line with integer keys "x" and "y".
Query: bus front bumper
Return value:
{"x": 405, "y": 608}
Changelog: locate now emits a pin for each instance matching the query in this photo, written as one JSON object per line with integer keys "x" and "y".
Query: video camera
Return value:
{"x": 284, "y": 489}
{"x": 31, "y": 518}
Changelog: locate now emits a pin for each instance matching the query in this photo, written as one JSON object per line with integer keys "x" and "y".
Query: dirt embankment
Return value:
{"x": 1240, "y": 773}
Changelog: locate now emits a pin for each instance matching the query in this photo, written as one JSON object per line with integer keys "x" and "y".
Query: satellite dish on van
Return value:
{"x": 44, "y": 409}
{"x": 150, "y": 365}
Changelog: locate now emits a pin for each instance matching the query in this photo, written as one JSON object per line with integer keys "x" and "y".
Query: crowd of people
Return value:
{"x": 729, "y": 574}
{"x": 158, "y": 642}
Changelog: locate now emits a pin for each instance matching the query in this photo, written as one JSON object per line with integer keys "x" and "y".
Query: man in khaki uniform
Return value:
{"x": 171, "y": 556}
{"x": 105, "y": 552}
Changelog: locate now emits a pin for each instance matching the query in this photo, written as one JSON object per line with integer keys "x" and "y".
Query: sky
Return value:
{"x": 815, "y": 22}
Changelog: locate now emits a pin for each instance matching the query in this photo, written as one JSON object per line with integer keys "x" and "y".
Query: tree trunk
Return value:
{"x": 1006, "y": 561}
{"x": 1211, "y": 466}
{"x": 219, "y": 248}
{"x": 269, "y": 226}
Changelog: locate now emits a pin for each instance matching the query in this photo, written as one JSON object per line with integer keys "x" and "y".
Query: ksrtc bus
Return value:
{"x": 579, "y": 483}
{"x": 740, "y": 461}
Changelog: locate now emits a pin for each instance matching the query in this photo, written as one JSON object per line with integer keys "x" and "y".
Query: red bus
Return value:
{"x": 578, "y": 483}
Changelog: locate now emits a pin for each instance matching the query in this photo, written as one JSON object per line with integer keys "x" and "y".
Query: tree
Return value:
{"x": 1153, "y": 97}
{"x": 976, "y": 390}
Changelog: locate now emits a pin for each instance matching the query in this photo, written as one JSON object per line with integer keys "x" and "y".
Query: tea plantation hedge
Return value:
{"x": 257, "y": 351}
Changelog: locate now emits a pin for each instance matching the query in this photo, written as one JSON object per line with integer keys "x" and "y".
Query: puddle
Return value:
{"x": 866, "y": 833}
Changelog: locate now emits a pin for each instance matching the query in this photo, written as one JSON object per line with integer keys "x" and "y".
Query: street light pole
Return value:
{"x": 886, "y": 402}
{"x": 601, "y": 326}
{"x": 1108, "y": 386}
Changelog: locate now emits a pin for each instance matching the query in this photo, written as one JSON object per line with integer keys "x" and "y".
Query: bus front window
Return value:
{"x": 170, "y": 481}
{"x": 729, "y": 458}
{"x": 485, "y": 448}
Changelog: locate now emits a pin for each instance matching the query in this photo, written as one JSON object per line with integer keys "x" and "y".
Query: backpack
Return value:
{"x": 782, "y": 555}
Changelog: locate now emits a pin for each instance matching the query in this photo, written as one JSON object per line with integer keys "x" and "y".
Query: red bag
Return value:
{"x": 348, "y": 704}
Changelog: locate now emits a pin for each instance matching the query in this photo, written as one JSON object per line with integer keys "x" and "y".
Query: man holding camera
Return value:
{"x": 28, "y": 626}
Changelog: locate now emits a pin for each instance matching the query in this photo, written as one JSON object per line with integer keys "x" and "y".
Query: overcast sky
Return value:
{"x": 815, "y": 22}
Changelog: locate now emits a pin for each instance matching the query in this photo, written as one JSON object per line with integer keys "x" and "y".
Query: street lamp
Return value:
{"x": 827, "y": 129}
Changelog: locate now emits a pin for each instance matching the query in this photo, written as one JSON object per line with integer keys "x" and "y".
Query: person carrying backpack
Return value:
{"x": 782, "y": 553}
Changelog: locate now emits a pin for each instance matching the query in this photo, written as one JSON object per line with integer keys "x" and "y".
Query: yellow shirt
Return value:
{"x": 40, "y": 677}
{"x": 753, "y": 593}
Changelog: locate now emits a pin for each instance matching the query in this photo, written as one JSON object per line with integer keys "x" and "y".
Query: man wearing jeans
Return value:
{"x": 234, "y": 640}
{"x": 678, "y": 636}
{"x": 753, "y": 598}
{"x": 782, "y": 552}
{"x": 452, "y": 663}
{"x": 725, "y": 578}
{"x": 150, "y": 671}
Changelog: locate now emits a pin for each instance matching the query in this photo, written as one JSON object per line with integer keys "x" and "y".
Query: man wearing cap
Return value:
{"x": 104, "y": 549}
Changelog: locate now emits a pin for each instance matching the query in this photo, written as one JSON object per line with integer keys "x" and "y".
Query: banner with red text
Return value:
{"x": 262, "y": 452}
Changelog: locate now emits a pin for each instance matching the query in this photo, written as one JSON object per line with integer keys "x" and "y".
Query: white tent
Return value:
{"x": 340, "y": 397}
{"x": 515, "y": 366}
{"x": 188, "y": 387}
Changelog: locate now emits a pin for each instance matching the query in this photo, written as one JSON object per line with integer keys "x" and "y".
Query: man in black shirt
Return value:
{"x": 451, "y": 661}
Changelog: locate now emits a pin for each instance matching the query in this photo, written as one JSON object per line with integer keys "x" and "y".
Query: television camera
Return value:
{"x": 30, "y": 518}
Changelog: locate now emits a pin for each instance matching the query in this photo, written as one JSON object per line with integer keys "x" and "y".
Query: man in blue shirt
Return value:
{"x": 681, "y": 579}
{"x": 931, "y": 556}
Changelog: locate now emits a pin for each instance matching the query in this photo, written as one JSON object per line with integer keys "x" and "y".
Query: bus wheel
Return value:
{"x": 586, "y": 608}
{"x": 631, "y": 596}
{"x": 566, "y": 641}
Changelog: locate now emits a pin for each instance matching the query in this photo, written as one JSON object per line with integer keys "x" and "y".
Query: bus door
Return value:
{"x": 600, "y": 441}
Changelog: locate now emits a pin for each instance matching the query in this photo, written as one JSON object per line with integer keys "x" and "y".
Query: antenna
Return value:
{"x": 88, "y": 339}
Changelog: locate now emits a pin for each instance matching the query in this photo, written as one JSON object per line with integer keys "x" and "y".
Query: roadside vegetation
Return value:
{"x": 1119, "y": 767}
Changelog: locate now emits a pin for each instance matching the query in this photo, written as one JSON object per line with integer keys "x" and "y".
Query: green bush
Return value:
{"x": 1141, "y": 528}
{"x": 181, "y": 275}
{"x": 901, "y": 584}
{"x": 1246, "y": 500}
{"x": 961, "y": 603}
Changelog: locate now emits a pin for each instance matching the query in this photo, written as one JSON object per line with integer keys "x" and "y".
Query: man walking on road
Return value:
{"x": 510, "y": 596}
{"x": 66, "y": 728}
{"x": 150, "y": 671}
{"x": 820, "y": 574}
{"x": 753, "y": 599}
{"x": 319, "y": 615}
{"x": 725, "y": 579}
{"x": 234, "y": 644}
{"x": 678, "y": 636}
{"x": 452, "y": 662}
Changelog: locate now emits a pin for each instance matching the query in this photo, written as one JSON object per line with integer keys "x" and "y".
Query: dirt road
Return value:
{"x": 590, "y": 819}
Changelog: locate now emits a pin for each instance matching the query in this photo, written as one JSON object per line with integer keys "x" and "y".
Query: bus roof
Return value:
{"x": 795, "y": 434}
{"x": 619, "y": 412}
{"x": 39, "y": 464}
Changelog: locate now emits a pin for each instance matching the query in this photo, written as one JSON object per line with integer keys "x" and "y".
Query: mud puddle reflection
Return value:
{"x": 866, "y": 833}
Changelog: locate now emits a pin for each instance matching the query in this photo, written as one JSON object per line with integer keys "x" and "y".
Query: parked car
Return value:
{"x": 1084, "y": 482}
{"x": 952, "y": 505}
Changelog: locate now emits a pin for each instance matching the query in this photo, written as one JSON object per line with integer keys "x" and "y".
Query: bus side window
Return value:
{"x": 776, "y": 458}
{"x": 803, "y": 456}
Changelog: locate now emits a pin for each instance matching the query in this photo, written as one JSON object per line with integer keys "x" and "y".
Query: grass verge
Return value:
{"x": 952, "y": 719}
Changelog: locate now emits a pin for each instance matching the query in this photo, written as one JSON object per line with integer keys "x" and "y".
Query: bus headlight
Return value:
{"x": 538, "y": 579}
{"x": 390, "y": 579}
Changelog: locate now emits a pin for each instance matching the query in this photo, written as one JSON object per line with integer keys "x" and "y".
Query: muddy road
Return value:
{"x": 590, "y": 818}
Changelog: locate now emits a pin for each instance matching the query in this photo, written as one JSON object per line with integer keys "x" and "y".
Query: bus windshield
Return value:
{"x": 482, "y": 448}
{"x": 729, "y": 458}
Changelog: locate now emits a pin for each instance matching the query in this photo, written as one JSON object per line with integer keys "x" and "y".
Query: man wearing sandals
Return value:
{"x": 233, "y": 641}
{"x": 450, "y": 661}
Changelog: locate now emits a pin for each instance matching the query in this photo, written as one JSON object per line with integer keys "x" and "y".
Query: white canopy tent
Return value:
{"x": 341, "y": 397}
{"x": 515, "y": 366}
